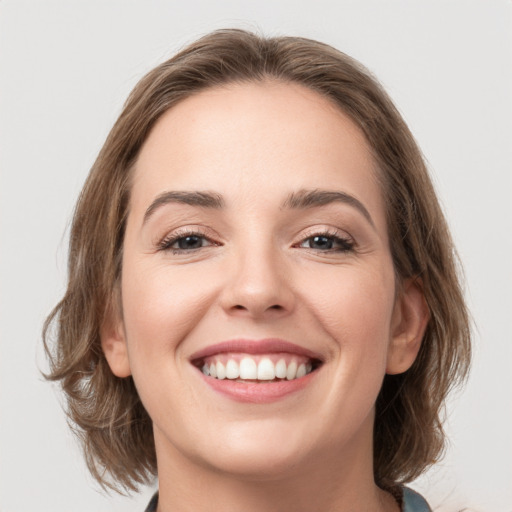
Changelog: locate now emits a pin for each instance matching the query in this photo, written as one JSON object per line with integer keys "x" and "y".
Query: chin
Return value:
{"x": 257, "y": 465}
{"x": 259, "y": 453}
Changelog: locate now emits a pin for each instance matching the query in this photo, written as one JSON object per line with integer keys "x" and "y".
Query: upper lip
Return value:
{"x": 247, "y": 346}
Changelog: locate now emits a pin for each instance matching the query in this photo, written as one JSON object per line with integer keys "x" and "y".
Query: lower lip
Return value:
{"x": 256, "y": 392}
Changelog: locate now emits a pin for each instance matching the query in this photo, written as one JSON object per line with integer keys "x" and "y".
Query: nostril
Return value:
{"x": 256, "y": 309}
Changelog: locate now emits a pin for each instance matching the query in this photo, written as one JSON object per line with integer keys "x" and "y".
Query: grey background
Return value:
{"x": 66, "y": 68}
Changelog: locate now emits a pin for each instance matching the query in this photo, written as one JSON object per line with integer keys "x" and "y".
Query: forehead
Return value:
{"x": 254, "y": 137}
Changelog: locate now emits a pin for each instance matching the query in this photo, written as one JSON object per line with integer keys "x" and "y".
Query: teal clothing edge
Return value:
{"x": 411, "y": 502}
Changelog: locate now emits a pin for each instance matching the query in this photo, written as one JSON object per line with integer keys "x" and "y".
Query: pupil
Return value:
{"x": 322, "y": 242}
{"x": 189, "y": 242}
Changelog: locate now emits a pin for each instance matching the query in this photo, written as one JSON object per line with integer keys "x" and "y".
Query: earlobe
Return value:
{"x": 410, "y": 319}
{"x": 113, "y": 344}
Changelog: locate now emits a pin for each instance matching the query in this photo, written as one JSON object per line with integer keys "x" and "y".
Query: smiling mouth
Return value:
{"x": 240, "y": 367}
{"x": 250, "y": 368}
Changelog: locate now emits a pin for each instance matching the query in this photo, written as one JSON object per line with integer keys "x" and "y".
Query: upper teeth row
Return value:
{"x": 249, "y": 369}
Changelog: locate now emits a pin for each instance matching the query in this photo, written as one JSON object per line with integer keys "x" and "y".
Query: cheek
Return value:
{"x": 161, "y": 306}
{"x": 351, "y": 307}
{"x": 354, "y": 306}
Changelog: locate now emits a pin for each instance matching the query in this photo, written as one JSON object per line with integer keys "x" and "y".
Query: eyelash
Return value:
{"x": 345, "y": 244}
{"x": 167, "y": 243}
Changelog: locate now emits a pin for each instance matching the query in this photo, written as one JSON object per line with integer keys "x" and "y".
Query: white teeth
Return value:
{"x": 232, "y": 369}
{"x": 291, "y": 372}
{"x": 221, "y": 371}
{"x": 248, "y": 369}
{"x": 266, "y": 370}
{"x": 281, "y": 369}
{"x": 301, "y": 371}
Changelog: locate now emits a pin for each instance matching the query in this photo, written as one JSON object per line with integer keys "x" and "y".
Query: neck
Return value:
{"x": 332, "y": 482}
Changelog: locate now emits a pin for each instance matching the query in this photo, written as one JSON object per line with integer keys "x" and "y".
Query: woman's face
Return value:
{"x": 255, "y": 246}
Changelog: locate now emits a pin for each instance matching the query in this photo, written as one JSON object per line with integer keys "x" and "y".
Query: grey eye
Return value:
{"x": 189, "y": 242}
{"x": 327, "y": 243}
{"x": 321, "y": 242}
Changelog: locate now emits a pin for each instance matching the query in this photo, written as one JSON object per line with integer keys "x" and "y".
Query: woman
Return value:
{"x": 263, "y": 307}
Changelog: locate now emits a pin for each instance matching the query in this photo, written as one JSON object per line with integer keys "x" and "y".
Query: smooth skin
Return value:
{"x": 253, "y": 267}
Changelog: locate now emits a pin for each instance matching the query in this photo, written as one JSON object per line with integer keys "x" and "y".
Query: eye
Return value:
{"x": 327, "y": 242}
{"x": 180, "y": 243}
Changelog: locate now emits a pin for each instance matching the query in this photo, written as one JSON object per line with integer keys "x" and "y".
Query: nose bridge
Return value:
{"x": 258, "y": 282}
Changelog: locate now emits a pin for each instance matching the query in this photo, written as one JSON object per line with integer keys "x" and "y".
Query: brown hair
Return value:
{"x": 105, "y": 410}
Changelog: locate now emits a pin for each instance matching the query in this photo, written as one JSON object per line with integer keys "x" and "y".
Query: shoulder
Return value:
{"x": 413, "y": 502}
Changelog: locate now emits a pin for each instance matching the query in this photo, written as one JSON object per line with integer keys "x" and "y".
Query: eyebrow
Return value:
{"x": 201, "y": 199}
{"x": 299, "y": 200}
{"x": 304, "y": 199}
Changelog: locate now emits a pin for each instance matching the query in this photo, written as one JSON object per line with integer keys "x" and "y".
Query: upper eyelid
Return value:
{"x": 184, "y": 234}
{"x": 326, "y": 230}
{"x": 188, "y": 230}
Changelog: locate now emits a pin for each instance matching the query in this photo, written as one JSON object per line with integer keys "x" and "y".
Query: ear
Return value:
{"x": 113, "y": 341}
{"x": 410, "y": 319}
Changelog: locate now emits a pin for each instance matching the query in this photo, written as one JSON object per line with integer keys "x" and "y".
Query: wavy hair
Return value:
{"x": 104, "y": 410}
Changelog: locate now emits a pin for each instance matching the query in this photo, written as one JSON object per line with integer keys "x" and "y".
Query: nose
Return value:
{"x": 258, "y": 286}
